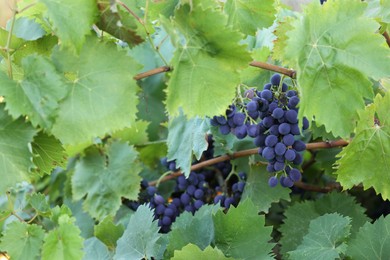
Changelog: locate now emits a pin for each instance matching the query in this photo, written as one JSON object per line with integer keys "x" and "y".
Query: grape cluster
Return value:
{"x": 270, "y": 117}
{"x": 190, "y": 194}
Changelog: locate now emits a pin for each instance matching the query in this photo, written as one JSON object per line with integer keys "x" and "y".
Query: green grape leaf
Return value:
{"x": 83, "y": 220}
{"x": 325, "y": 238}
{"x": 260, "y": 193}
{"x": 48, "y": 153}
{"x": 15, "y": 43}
{"x": 184, "y": 137}
{"x": 197, "y": 229}
{"x": 372, "y": 241}
{"x": 334, "y": 49}
{"x": 281, "y": 38}
{"x": 141, "y": 238}
{"x": 368, "y": 154}
{"x": 15, "y": 156}
{"x": 241, "y": 233}
{"x": 95, "y": 249}
{"x": 26, "y": 29}
{"x": 119, "y": 24}
{"x": 40, "y": 204}
{"x": 193, "y": 252}
{"x": 107, "y": 232}
{"x": 65, "y": 14}
{"x": 135, "y": 134}
{"x": 379, "y": 9}
{"x": 248, "y": 16}
{"x": 38, "y": 94}
{"x": 22, "y": 241}
{"x": 296, "y": 224}
{"x": 103, "y": 96}
{"x": 206, "y": 66}
{"x": 63, "y": 242}
{"x": 106, "y": 178}
{"x": 43, "y": 46}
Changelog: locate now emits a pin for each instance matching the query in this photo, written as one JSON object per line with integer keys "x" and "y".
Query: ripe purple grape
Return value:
{"x": 278, "y": 113}
{"x": 280, "y": 149}
{"x": 288, "y": 139}
{"x": 295, "y": 174}
{"x": 284, "y": 128}
{"x": 291, "y": 116}
{"x": 299, "y": 146}
{"x": 273, "y": 181}
{"x": 275, "y": 79}
{"x": 271, "y": 140}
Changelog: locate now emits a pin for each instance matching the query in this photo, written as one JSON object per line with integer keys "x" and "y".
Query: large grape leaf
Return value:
{"x": 258, "y": 190}
{"x": 106, "y": 178}
{"x": 241, "y": 233}
{"x": 335, "y": 48}
{"x": 299, "y": 215}
{"x": 37, "y": 95}
{"x": 184, "y": 137}
{"x": 103, "y": 92}
{"x": 26, "y": 29}
{"x": 63, "y": 242}
{"x": 325, "y": 238}
{"x": 192, "y": 252}
{"x": 379, "y": 9}
{"x": 72, "y": 19}
{"x": 372, "y": 241}
{"x": 48, "y": 153}
{"x": 367, "y": 158}
{"x": 95, "y": 249}
{"x": 108, "y": 232}
{"x": 141, "y": 238}
{"x": 22, "y": 241}
{"x": 197, "y": 229}
{"x": 248, "y": 16}
{"x": 205, "y": 64}
{"x": 15, "y": 156}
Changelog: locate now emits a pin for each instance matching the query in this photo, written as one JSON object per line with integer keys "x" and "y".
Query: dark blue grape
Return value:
{"x": 259, "y": 140}
{"x": 284, "y": 128}
{"x": 286, "y": 182}
{"x": 254, "y": 115}
{"x": 272, "y": 107}
{"x": 219, "y": 199}
{"x": 221, "y": 120}
{"x": 295, "y": 129}
{"x": 280, "y": 149}
{"x": 305, "y": 123}
{"x": 271, "y": 140}
{"x": 270, "y": 167}
{"x": 191, "y": 190}
{"x": 249, "y": 93}
{"x": 166, "y": 221}
{"x": 298, "y": 159}
{"x": 267, "y": 86}
{"x": 253, "y": 130}
{"x": 151, "y": 190}
{"x": 279, "y": 166}
{"x": 299, "y": 146}
{"x": 235, "y": 187}
{"x": 224, "y": 129}
{"x": 228, "y": 202}
{"x": 288, "y": 140}
{"x": 295, "y": 174}
{"x": 240, "y": 131}
{"x": 274, "y": 130}
{"x": 242, "y": 175}
{"x": 284, "y": 87}
{"x": 159, "y": 210}
{"x": 158, "y": 199}
{"x": 199, "y": 194}
{"x": 169, "y": 211}
{"x": 291, "y": 116}
{"x": 185, "y": 199}
{"x": 252, "y": 106}
{"x": 275, "y": 79}
{"x": 279, "y": 158}
{"x": 213, "y": 121}
{"x": 266, "y": 94}
{"x": 293, "y": 102}
{"x": 291, "y": 93}
{"x": 198, "y": 204}
{"x": 231, "y": 111}
{"x": 268, "y": 121}
{"x": 241, "y": 186}
{"x": 239, "y": 119}
{"x": 268, "y": 153}
{"x": 189, "y": 208}
{"x": 290, "y": 155}
{"x": 278, "y": 113}
{"x": 273, "y": 181}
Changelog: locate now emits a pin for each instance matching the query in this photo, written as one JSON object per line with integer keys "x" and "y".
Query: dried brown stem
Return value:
{"x": 310, "y": 187}
{"x": 310, "y": 146}
{"x": 267, "y": 66}
{"x": 152, "y": 72}
{"x": 387, "y": 37}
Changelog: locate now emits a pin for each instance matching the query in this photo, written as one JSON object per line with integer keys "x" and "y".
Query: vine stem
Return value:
{"x": 7, "y": 46}
{"x": 387, "y": 37}
{"x": 244, "y": 153}
{"x": 258, "y": 64}
{"x": 310, "y": 187}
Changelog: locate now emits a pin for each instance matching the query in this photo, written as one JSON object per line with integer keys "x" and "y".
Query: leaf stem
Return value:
{"x": 310, "y": 187}
{"x": 152, "y": 72}
{"x": 244, "y": 153}
{"x": 267, "y": 66}
{"x": 7, "y": 47}
{"x": 387, "y": 37}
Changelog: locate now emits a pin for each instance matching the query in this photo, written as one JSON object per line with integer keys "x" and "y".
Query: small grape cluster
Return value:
{"x": 271, "y": 118}
{"x": 224, "y": 200}
{"x": 190, "y": 194}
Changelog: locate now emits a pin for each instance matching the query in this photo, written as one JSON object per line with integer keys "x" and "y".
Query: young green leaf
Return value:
{"x": 40, "y": 204}
{"x": 372, "y": 241}
{"x": 141, "y": 238}
{"x": 63, "y": 242}
{"x": 103, "y": 97}
{"x": 241, "y": 233}
{"x": 22, "y": 241}
{"x": 105, "y": 179}
{"x": 260, "y": 193}
{"x": 64, "y": 14}
{"x": 184, "y": 137}
{"x": 335, "y": 48}
{"x": 95, "y": 249}
{"x": 367, "y": 156}
{"x": 248, "y": 16}
{"x": 15, "y": 156}
{"x": 192, "y": 252}
{"x": 325, "y": 238}
{"x": 205, "y": 75}
{"x": 109, "y": 233}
